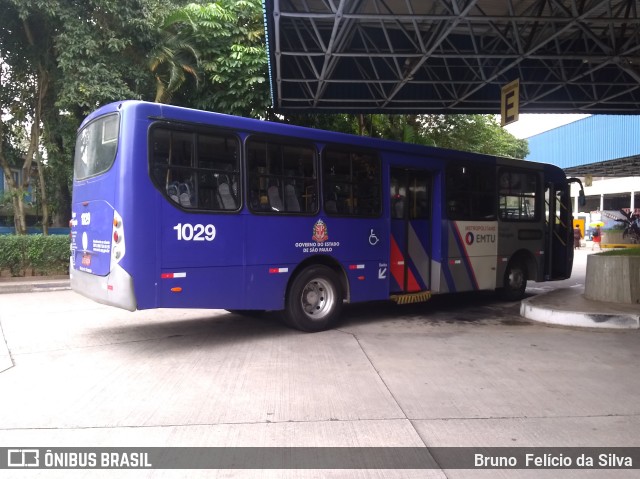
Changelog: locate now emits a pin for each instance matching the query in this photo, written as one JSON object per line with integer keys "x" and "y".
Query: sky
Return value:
{"x": 531, "y": 124}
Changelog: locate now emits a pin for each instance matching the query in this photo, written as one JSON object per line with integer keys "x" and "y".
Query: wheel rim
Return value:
{"x": 515, "y": 279}
{"x": 318, "y": 298}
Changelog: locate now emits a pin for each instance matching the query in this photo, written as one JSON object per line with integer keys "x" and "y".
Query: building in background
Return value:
{"x": 6, "y": 207}
{"x": 602, "y": 150}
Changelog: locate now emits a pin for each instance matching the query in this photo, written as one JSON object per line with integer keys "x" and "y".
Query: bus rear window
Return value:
{"x": 96, "y": 147}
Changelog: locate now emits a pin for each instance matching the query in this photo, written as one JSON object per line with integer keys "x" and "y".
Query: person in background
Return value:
{"x": 577, "y": 236}
{"x": 597, "y": 238}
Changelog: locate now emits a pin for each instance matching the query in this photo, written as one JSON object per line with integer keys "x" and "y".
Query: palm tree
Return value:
{"x": 174, "y": 57}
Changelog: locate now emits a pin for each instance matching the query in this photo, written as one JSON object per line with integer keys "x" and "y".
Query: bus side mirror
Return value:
{"x": 582, "y": 200}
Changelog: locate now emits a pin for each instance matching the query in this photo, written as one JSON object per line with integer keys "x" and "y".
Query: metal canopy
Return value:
{"x": 621, "y": 167}
{"x": 453, "y": 56}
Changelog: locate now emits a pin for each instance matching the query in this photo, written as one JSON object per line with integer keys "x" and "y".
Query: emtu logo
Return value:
{"x": 469, "y": 238}
{"x": 23, "y": 458}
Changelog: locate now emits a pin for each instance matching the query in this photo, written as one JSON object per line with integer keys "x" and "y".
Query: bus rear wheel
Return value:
{"x": 314, "y": 299}
{"x": 515, "y": 281}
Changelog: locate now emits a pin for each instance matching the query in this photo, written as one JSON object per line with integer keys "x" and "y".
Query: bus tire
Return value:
{"x": 515, "y": 281}
{"x": 314, "y": 299}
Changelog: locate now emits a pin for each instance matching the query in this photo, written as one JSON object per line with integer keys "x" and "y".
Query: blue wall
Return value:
{"x": 590, "y": 140}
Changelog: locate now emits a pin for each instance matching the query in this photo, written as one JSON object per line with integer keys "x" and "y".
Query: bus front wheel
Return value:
{"x": 515, "y": 281}
{"x": 314, "y": 299}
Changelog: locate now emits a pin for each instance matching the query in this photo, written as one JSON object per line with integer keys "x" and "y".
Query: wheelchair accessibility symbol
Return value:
{"x": 373, "y": 239}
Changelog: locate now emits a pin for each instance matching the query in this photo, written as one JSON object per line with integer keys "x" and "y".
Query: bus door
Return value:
{"x": 410, "y": 261}
{"x": 559, "y": 232}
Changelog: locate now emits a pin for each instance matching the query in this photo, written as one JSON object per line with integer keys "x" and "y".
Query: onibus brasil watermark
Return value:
{"x": 320, "y": 458}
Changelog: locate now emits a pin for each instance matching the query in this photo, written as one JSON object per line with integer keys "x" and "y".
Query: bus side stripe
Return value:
{"x": 419, "y": 258}
{"x": 465, "y": 256}
{"x": 445, "y": 268}
{"x": 397, "y": 263}
{"x": 398, "y": 266}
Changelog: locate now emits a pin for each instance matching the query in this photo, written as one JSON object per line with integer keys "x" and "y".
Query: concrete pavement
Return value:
{"x": 463, "y": 373}
{"x": 441, "y": 374}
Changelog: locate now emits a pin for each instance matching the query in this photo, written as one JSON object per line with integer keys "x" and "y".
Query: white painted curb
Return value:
{"x": 601, "y": 320}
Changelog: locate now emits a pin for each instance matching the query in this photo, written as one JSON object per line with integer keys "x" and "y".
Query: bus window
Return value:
{"x": 196, "y": 170}
{"x": 415, "y": 204}
{"x": 419, "y": 195}
{"x": 351, "y": 183}
{"x": 517, "y": 201}
{"x": 282, "y": 178}
{"x": 398, "y": 198}
{"x": 471, "y": 193}
{"x": 96, "y": 147}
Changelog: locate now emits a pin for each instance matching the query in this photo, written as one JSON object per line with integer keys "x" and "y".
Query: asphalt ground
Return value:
{"x": 459, "y": 371}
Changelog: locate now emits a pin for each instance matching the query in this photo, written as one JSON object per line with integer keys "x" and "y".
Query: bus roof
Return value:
{"x": 187, "y": 115}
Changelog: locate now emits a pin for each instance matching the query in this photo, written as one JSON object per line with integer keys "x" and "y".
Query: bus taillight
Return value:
{"x": 118, "y": 248}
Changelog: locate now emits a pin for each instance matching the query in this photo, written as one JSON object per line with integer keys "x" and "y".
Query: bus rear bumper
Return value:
{"x": 115, "y": 289}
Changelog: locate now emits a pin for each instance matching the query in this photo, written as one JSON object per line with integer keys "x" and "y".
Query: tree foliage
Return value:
{"x": 60, "y": 60}
{"x": 102, "y": 50}
{"x": 477, "y": 133}
{"x": 174, "y": 57}
{"x": 474, "y": 133}
{"x": 229, "y": 38}
{"x": 25, "y": 85}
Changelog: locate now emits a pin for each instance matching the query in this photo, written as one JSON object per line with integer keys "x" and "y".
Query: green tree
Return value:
{"x": 228, "y": 36}
{"x": 174, "y": 58}
{"x": 476, "y": 133}
{"x": 26, "y": 82}
{"x": 60, "y": 60}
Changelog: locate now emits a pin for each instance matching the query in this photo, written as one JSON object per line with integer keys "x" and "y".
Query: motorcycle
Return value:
{"x": 631, "y": 225}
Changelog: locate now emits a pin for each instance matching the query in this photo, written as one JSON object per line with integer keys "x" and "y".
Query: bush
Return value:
{"x": 13, "y": 255}
{"x": 37, "y": 254}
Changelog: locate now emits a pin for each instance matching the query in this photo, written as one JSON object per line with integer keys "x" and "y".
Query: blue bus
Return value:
{"x": 178, "y": 208}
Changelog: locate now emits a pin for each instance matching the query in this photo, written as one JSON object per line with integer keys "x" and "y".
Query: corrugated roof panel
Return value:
{"x": 590, "y": 140}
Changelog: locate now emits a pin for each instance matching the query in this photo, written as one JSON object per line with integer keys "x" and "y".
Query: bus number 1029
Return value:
{"x": 189, "y": 232}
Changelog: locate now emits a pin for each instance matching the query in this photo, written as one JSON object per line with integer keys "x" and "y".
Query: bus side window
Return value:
{"x": 281, "y": 176}
{"x": 471, "y": 193}
{"x": 517, "y": 201}
{"x": 196, "y": 169}
{"x": 351, "y": 183}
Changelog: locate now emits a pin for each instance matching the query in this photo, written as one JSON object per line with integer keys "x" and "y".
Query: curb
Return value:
{"x": 597, "y": 318}
{"x": 35, "y": 287}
